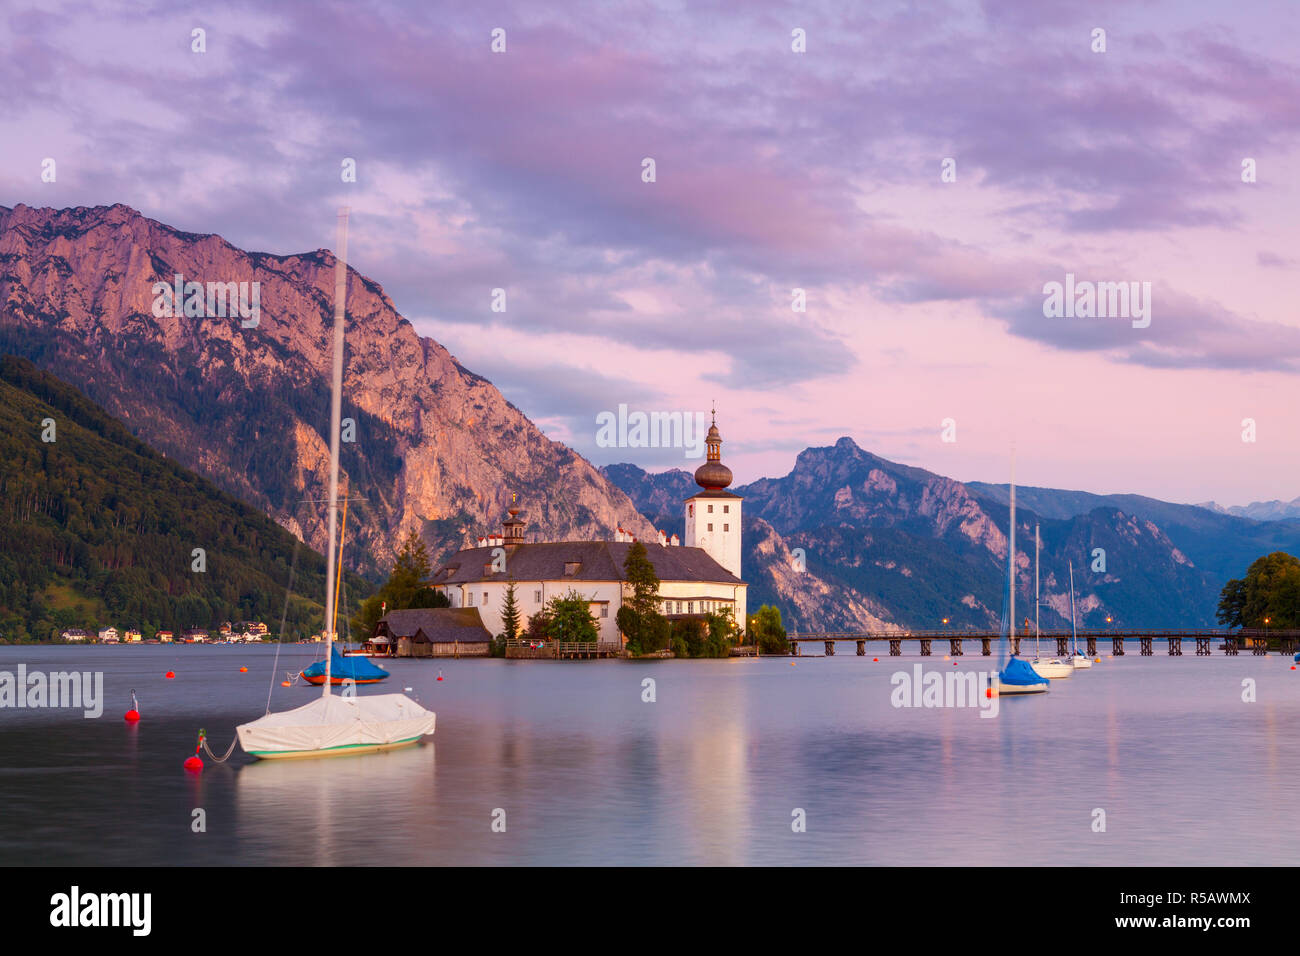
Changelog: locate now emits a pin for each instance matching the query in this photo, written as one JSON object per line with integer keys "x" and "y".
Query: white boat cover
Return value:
{"x": 335, "y": 722}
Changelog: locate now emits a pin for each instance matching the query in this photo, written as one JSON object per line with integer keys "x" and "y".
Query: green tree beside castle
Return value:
{"x": 765, "y": 627}
{"x": 1267, "y": 597}
{"x": 404, "y": 589}
{"x": 638, "y": 618}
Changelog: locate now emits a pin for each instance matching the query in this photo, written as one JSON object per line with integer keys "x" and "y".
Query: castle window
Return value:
{"x": 726, "y": 509}
{"x": 726, "y": 527}
{"x": 537, "y": 597}
{"x": 690, "y": 607}
{"x": 484, "y": 597}
{"x": 710, "y": 525}
{"x": 710, "y": 509}
{"x": 571, "y": 568}
{"x": 604, "y": 610}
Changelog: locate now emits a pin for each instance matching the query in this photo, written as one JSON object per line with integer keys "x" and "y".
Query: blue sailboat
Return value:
{"x": 355, "y": 668}
{"x": 1017, "y": 676}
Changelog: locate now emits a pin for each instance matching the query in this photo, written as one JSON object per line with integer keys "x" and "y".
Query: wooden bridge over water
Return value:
{"x": 1257, "y": 641}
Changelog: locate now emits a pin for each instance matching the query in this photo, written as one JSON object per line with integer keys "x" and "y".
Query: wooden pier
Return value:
{"x": 1257, "y": 641}
{"x": 561, "y": 650}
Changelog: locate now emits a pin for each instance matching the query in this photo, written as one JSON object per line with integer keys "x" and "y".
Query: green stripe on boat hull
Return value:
{"x": 346, "y": 750}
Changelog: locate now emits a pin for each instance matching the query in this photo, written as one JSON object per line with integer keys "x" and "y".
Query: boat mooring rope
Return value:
{"x": 203, "y": 738}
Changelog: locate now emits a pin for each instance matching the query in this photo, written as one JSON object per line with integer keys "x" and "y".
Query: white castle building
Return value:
{"x": 699, "y": 577}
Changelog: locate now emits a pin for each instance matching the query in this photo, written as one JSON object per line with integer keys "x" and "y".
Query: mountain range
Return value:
{"x": 437, "y": 448}
{"x": 884, "y": 544}
{"x": 846, "y": 540}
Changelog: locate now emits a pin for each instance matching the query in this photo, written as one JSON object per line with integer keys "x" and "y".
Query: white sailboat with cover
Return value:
{"x": 337, "y": 724}
{"x": 1054, "y": 668}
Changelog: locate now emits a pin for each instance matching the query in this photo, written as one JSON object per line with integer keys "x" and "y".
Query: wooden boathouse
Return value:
{"x": 436, "y": 632}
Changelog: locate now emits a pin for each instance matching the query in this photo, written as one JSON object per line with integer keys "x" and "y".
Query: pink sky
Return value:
{"x": 775, "y": 169}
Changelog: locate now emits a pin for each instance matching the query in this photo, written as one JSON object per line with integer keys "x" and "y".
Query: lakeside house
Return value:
{"x": 698, "y": 578}
{"x": 194, "y": 635}
{"x": 108, "y": 635}
{"x": 165, "y": 637}
{"x": 132, "y": 636}
{"x": 74, "y": 634}
{"x": 246, "y": 631}
{"x": 432, "y": 632}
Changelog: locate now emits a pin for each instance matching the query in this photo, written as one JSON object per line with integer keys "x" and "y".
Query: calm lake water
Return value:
{"x": 587, "y": 773}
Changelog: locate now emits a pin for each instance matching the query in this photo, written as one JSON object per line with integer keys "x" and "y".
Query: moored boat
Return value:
{"x": 344, "y": 724}
{"x": 353, "y": 668}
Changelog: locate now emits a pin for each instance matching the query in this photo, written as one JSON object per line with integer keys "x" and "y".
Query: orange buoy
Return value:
{"x": 169, "y": 675}
{"x": 875, "y": 660}
{"x": 243, "y": 670}
{"x": 285, "y": 683}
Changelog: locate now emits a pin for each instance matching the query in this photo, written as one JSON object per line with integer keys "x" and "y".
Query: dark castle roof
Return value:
{"x": 580, "y": 561}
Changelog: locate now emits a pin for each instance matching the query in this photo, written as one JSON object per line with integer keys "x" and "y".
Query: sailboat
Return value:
{"x": 335, "y": 725}
{"x": 1078, "y": 660}
{"x": 1016, "y": 677}
{"x": 1055, "y": 668}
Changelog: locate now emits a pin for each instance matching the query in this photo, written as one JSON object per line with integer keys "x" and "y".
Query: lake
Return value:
{"x": 712, "y": 772}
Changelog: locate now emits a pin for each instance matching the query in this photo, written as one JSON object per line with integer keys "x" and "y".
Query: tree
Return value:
{"x": 510, "y": 613}
{"x": 411, "y": 569}
{"x": 1270, "y": 591}
{"x": 539, "y": 626}
{"x": 404, "y": 589}
{"x": 570, "y": 619}
{"x": 1232, "y": 601}
{"x": 639, "y": 619}
{"x": 768, "y": 631}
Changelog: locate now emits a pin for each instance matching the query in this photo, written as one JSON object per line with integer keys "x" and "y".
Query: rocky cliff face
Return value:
{"x": 437, "y": 448}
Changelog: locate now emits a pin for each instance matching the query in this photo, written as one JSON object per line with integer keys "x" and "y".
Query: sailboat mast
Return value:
{"x": 1074, "y": 635}
{"x": 336, "y": 414}
{"x": 1038, "y": 546}
{"x": 1011, "y": 555}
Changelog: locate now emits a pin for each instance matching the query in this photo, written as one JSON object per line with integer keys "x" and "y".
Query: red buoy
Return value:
{"x": 243, "y": 670}
{"x": 169, "y": 675}
{"x": 132, "y": 715}
{"x": 194, "y": 763}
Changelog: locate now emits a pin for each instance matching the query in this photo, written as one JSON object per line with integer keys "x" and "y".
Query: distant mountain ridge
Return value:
{"x": 888, "y": 544}
{"x": 1274, "y": 510}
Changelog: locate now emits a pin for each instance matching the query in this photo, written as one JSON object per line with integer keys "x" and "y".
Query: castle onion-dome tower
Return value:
{"x": 713, "y": 475}
{"x": 713, "y": 513}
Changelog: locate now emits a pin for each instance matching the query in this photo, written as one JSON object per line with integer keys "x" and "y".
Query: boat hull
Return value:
{"x": 347, "y": 751}
{"x": 1052, "y": 670}
{"x": 336, "y": 726}
{"x": 336, "y": 681}
{"x": 1005, "y": 690}
{"x": 1081, "y": 662}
